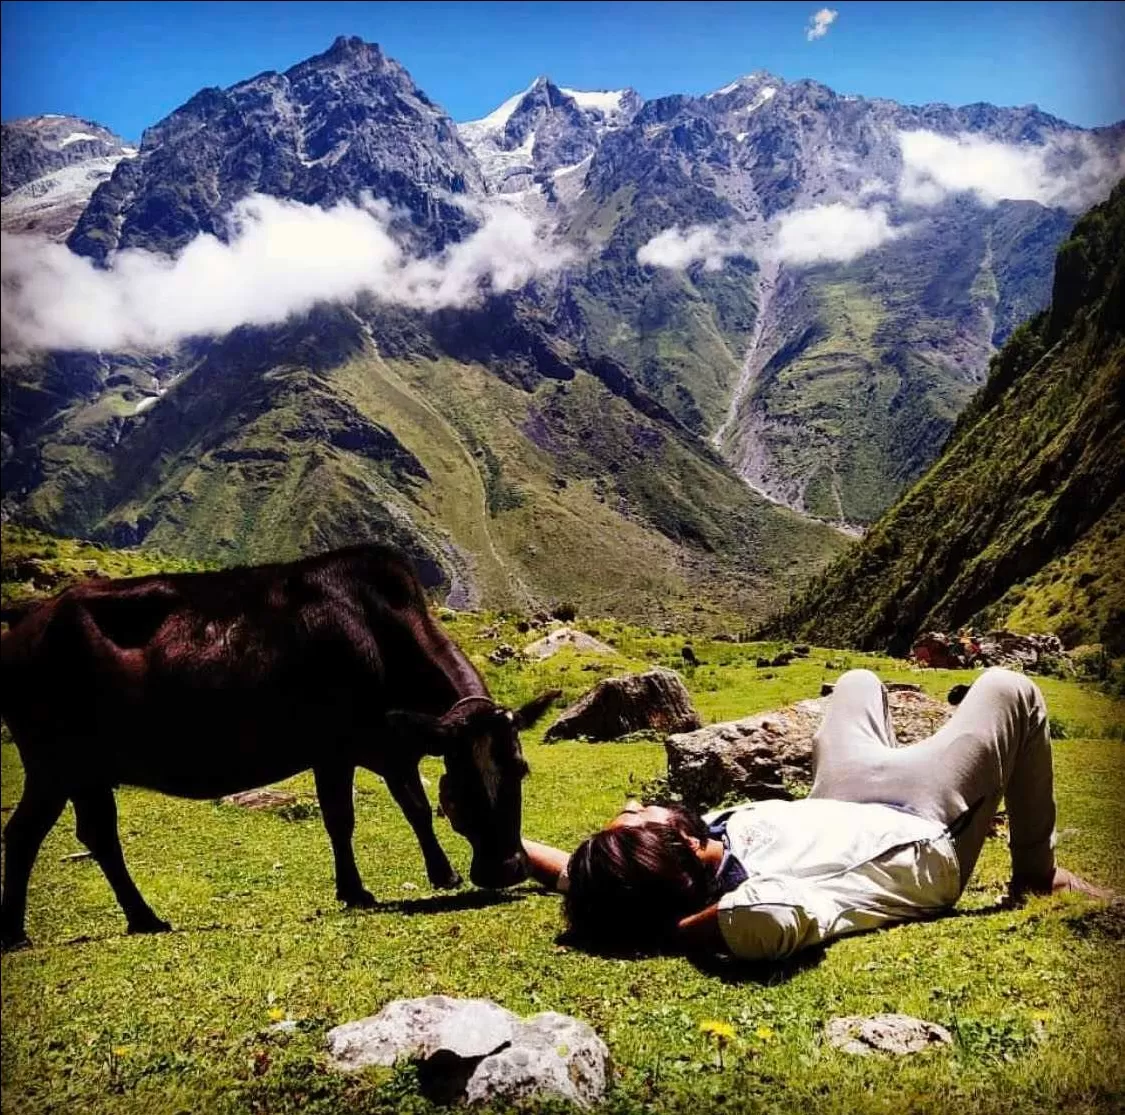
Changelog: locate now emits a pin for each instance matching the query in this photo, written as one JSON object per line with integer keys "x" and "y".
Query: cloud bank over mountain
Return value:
{"x": 676, "y": 248}
{"x": 1069, "y": 173}
{"x": 282, "y": 258}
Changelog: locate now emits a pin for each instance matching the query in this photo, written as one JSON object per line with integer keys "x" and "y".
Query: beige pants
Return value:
{"x": 995, "y": 745}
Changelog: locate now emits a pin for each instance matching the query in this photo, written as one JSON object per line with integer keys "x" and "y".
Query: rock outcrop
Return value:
{"x": 657, "y": 700}
{"x": 885, "y": 1033}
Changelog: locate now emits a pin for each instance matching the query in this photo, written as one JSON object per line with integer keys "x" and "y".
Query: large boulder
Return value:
{"x": 997, "y": 648}
{"x": 770, "y": 755}
{"x": 657, "y": 700}
{"x": 475, "y": 1050}
{"x": 939, "y": 651}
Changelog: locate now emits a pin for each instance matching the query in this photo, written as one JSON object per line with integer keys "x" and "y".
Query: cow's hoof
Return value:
{"x": 359, "y": 900}
{"x": 149, "y": 925}
{"x": 446, "y": 882}
{"x": 13, "y": 942}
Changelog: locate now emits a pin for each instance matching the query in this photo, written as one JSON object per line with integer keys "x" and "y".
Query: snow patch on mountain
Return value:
{"x": 610, "y": 104}
{"x": 77, "y": 137}
{"x": 494, "y": 122}
{"x": 544, "y": 131}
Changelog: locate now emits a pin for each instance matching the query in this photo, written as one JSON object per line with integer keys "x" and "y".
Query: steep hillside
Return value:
{"x": 1020, "y": 520}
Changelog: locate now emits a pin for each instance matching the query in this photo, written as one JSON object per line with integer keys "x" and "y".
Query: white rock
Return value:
{"x": 419, "y": 1028}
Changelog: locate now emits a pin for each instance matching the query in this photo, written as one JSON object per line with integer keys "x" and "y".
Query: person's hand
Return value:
{"x": 1059, "y": 882}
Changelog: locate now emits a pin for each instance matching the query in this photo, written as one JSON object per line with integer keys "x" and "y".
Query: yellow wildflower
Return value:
{"x": 121, "y": 1051}
{"x": 276, "y": 1014}
{"x": 764, "y": 1032}
{"x": 723, "y": 1031}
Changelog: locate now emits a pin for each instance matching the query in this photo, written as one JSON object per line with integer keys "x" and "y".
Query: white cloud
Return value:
{"x": 835, "y": 233}
{"x": 676, "y": 248}
{"x": 282, "y": 258}
{"x": 819, "y": 23}
{"x": 1071, "y": 171}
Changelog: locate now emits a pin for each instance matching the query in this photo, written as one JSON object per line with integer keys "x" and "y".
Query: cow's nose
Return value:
{"x": 506, "y": 873}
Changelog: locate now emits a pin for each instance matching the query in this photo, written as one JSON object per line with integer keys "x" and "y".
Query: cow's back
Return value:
{"x": 245, "y": 671}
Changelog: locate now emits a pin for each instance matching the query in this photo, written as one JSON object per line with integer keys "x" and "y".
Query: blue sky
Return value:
{"x": 126, "y": 65}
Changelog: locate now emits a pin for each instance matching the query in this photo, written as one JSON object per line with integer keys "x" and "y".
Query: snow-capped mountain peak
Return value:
{"x": 543, "y": 130}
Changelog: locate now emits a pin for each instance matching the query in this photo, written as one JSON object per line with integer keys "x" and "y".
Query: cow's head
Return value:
{"x": 481, "y": 791}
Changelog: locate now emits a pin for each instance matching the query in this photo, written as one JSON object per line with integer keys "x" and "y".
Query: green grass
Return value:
{"x": 96, "y": 1021}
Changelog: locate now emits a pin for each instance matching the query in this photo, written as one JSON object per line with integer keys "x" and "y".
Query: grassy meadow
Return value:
{"x": 95, "y": 1021}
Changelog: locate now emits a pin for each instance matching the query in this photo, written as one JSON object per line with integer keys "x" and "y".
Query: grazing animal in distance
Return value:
{"x": 688, "y": 655}
{"x": 202, "y": 684}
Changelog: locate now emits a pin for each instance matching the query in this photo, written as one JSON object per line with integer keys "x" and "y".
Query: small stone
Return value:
{"x": 260, "y": 799}
{"x": 550, "y": 1055}
{"x": 474, "y": 1050}
{"x": 885, "y": 1033}
{"x": 957, "y": 694}
{"x": 418, "y": 1029}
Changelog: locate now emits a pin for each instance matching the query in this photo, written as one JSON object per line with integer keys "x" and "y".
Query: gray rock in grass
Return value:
{"x": 885, "y": 1033}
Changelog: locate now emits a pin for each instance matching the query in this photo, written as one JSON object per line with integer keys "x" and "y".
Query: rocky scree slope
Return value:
{"x": 49, "y": 167}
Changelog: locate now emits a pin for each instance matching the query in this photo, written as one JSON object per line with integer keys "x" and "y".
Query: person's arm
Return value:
{"x": 753, "y": 922}
{"x": 546, "y": 863}
{"x": 700, "y": 932}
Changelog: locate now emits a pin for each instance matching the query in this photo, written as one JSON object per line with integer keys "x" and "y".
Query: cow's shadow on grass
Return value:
{"x": 446, "y": 903}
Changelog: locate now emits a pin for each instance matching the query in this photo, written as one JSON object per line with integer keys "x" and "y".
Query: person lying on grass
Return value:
{"x": 887, "y": 834}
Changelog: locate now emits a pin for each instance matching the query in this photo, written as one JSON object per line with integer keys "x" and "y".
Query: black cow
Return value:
{"x": 202, "y": 684}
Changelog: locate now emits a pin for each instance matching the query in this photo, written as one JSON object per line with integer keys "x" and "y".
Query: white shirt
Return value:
{"x": 820, "y": 869}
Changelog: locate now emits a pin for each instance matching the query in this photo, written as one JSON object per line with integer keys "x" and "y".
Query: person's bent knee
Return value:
{"x": 858, "y": 681}
{"x": 1012, "y": 686}
{"x": 859, "y": 677}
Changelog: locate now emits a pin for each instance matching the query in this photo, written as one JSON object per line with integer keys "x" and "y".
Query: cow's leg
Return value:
{"x": 334, "y": 785}
{"x": 406, "y": 788}
{"x": 38, "y": 810}
{"x": 96, "y": 812}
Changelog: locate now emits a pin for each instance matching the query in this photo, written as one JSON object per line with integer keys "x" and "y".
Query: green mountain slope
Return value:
{"x": 1019, "y": 521}
{"x": 517, "y": 472}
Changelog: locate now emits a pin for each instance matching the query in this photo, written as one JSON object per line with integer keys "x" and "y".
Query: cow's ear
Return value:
{"x": 419, "y": 732}
{"x": 532, "y": 712}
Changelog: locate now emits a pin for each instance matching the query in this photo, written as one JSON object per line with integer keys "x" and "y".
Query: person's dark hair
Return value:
{"x": 629, "y": 886}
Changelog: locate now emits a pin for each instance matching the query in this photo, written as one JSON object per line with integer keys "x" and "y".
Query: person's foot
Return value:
{"x": 1062, "y": 880}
